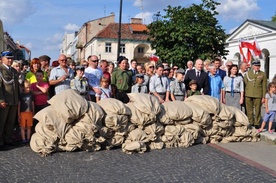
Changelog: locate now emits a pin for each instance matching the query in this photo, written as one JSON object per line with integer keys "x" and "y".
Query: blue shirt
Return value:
{"x": 216, "y": 85}
{"x": 58, "y": 72}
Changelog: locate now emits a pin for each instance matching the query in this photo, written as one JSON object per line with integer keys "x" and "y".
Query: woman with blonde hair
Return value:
{"x": 149, "y": 67}
{"x": 35, "y": 65}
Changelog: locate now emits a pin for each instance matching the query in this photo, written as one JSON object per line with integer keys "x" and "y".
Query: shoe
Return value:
{"x": 270, "y": 131}
{"x": 24, "y": 142}
{"x": 259, "y": 131}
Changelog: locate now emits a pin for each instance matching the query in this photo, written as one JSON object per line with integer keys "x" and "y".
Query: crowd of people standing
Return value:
{"x": 26, "y": 91}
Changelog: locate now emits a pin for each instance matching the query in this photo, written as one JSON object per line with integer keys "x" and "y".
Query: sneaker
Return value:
{"x": 259, "y": 131}
{"x": 270, "y": 131}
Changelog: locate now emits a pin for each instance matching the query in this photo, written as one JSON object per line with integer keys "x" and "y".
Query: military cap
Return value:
{"x": 120, "y": 59}
{"x": 192, "y": 82}
{"x": 139, "y": 75}
{"x": 7, "y": 54}
{"x": 80, "y": 67}
{"x": 256, "y": 62}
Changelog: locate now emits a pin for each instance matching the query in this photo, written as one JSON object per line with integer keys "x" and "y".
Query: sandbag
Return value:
{"x": 175, "y": 112}
{"x": 39, "y": 145}
{"x": 139, "y": 118}
{"x": 69, "y": 105}
{"x": 135, "y": 142}
{"x": 154, "y": 131}
{"x": 114, "y": 106}
{"x": 210, "y": 104}
{"x": 225, "y": 114}
{"x": 240, "y": 119}
{"x": 186, "y": 139}
{"x": 200, "y": 116}
{"x": 116, "y": 122}
{"x": 146, "y": 103}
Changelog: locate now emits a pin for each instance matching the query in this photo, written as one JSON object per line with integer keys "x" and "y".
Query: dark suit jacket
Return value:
{"x": 221, "y": 73}
{"x": 202, "y": 82}
{"x": 9, "y": 92}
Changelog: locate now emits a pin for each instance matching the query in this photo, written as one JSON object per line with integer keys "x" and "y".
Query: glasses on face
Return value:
{"x": 95, "y": 60}
{"x": 151, "y": 67}
{"x": 175, "y": 68}
{"x": 84, "y": 65}
{"x": 229, "y": 65}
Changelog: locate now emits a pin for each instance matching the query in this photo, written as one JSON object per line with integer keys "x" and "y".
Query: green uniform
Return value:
{"x": 255, "y": 90}
{"x": 121, "y": 79}
{"x": 9, "y": 93}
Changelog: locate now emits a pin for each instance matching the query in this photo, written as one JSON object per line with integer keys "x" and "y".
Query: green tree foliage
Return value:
{"x": 188, "y": 33}
{"x": 273, "y": 18}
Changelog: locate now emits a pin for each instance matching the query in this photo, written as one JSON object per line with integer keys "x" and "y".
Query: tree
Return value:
{"x": 273, "y": 18}
{"x": 188, "y": 33}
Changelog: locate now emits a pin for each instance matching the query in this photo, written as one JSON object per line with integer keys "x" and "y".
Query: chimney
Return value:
{"x": 136, "y": 20}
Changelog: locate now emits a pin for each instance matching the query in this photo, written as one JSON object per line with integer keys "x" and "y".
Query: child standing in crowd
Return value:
{"x": 139, "y": 87}
{"x": 193, "y": 91}
{"x": 177, "y": 87}
{"x": 270, "y": 107}
{"x": 26, "y": 112}
{"x": 106, "y": 92}
{"x": 80, "y": 83}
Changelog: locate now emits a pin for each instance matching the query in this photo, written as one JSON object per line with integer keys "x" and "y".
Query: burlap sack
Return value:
{"x": 154, "y": 131}
{"x": 175, "y": 112}
{"x": 74, "y": 140}
{"x": 53, "y": 126}
{"x": 135, "y": 146}
{"x": 116, "y": 122}
{"x": 157, "y": 143}
{"x": 139, "y": 118}
{"x": 240, "y": 119}
{"x": 208, "y": 103}
{"x": 94, "y": 115}
{"x": 69, "y": 105}
{"x": 146, "y": 103}
{"x": 172, "y": 135}
{"x": 39, "y": 145}
{"x": 186, "y": 139}
{"x": 200, "y": 116}
{"x": 114, "y": 106}
{"x": 225, "y": 114}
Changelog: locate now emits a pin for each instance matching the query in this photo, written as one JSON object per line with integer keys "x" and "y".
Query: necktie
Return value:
{"x": 134, "y": 72}
{"x": 161, "y": 81}
{"x": 139, "y": 89}
{"x": 232, "y": 87}
{"x": 197, "y": 74}
{"x": 180, "y": 86}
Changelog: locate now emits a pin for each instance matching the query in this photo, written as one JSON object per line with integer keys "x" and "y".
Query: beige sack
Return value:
{"x": 114, "y": 106}
{"x": 175, "y": 112}
{"x": 208, "y": 103}
{"x": 225, "y": 114}
{"x": 240, "y": 118}
{"x": 154, "y": 131}
{"x": 116, "y": 122}
{"x": 69, "y": 105}
{"x": 146, "y": 103}
{"x": 200, "y": 116}
{"x": 139, "y": 118}
{"x": 135, "y": 146}
{"x": 39, "y": 145}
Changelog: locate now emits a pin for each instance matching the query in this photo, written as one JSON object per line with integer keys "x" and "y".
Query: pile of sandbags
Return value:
{"x": 71, "y": 123}
{"x": 146, "y": 132}
{"x": 115, "y": 122}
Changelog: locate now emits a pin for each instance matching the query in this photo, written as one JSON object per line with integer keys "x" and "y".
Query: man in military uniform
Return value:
{"x": 177, "y": 87}
{"x": 9, "y": 94}
{"x": 159, "y": 85}
{"x": 255, "y": 89}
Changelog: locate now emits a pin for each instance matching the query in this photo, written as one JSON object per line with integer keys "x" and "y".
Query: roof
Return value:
{"x": 128, "y": 31}
{"x": 264, "y": 23}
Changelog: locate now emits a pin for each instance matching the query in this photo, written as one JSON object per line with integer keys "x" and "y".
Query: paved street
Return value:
{"x": 200, "y": 163}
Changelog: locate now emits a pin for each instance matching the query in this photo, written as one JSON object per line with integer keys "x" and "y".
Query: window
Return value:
{"x": 140, "y": 49}
{"x": 123, "y": 48}
{"x": 108, "y": 47}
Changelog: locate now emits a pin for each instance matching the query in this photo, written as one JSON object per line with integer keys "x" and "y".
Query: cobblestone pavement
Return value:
{"x": 200, "y": 163}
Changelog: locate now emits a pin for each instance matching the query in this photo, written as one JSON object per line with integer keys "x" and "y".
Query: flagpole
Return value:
{"x": 119, "y": 31}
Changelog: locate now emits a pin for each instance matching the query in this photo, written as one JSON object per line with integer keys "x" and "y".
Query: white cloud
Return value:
{"x": 15, "y": 11}
{"x": 238, "y": 9}
{"x": 71, "y": 27}
{"x": 146, "y": 17}
{"x": 158, "y": 5}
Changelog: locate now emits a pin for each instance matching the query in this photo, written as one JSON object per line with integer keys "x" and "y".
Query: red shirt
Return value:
{"x": 40, "y": 99}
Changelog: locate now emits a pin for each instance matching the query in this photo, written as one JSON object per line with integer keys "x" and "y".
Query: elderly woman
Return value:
{"x": 35, "y": 65}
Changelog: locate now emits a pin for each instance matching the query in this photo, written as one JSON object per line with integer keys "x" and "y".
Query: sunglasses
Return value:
{"x": 151, "y": 67}
{"x": 84, "y": 65}
{"x": 95, "y": 60}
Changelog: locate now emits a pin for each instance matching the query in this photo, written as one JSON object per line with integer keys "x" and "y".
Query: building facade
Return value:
{"x": 265, "y": 34}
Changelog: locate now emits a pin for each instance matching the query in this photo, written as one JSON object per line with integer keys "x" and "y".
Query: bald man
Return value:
{"x": 200, "y": 76}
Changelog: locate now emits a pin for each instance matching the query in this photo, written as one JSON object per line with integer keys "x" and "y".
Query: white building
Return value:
{"x": 265, "y": 34}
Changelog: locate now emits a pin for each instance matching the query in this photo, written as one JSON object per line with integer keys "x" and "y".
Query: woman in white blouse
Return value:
{"x": 233, "y": 88}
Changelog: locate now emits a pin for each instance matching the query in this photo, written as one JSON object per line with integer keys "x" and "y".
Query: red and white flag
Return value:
{"x": 248, "y": 49}
{"x": 154, "y": 58}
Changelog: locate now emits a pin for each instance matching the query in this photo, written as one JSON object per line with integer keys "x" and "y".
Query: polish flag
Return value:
{"x": 154, "y": 58}
{"x": 251, "y": 49}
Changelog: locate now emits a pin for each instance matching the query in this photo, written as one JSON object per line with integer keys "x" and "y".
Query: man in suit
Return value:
{"x": 9, "y": 94}
{"x": 200, "y": 76}
{"x": 255, "y": 89}
{"x": 220, "y": 72}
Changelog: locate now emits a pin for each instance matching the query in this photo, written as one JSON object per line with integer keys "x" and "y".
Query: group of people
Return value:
{"x": 26, "y": 92}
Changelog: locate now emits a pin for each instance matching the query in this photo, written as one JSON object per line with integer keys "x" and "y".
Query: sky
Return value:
{"x": 41, "y": 24}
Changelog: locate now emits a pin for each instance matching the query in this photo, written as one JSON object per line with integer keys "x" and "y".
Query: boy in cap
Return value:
{"x": 139, "y": 87}
{"x": 177, "y": 87}
{"x": 193, "y": 89}
{"x": 80, "y": 83}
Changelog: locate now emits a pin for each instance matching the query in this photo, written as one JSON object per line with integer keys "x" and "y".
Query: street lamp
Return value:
{"x": 119, "y": 31}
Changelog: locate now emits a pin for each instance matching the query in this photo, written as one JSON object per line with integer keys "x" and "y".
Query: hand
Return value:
{"x": 62, "y": 78}
{"x": 241, "y": 101}
{"x": 263, "y": 100}
{"x": 267, "y": 111}
{"x": 98, "y": 91}
{"x": 161, "y": 100}
{"x": 3, "y": 104}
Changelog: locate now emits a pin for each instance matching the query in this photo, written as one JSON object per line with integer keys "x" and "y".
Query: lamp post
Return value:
{"x": 119, "y": 31}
